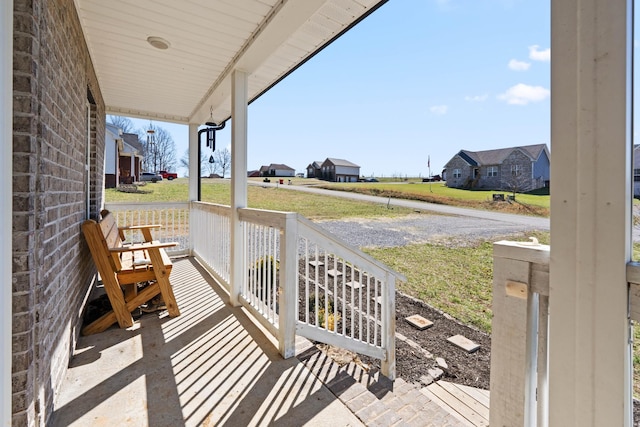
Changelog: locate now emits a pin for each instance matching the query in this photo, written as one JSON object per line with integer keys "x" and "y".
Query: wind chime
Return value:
{"x": 210, "y": 130}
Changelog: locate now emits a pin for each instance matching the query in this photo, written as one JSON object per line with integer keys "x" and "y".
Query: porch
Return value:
{"x": 214, "y": 365}
{"x": 219, "y": 364}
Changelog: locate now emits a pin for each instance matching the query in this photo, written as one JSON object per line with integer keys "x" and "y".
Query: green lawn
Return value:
{"x": 219, "y": 191}
{"x": 438, "y": 192}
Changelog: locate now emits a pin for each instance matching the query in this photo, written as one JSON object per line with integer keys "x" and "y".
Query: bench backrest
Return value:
{"x": 100, "y": 237}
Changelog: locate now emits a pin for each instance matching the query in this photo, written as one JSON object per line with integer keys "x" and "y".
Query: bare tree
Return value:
{"x": 124, "y": 123}
{"x": 206, "y": 166}
{"x": 222, "y": 160}
{"x": 516, "y": 181}
{"x": 159, "y": 149}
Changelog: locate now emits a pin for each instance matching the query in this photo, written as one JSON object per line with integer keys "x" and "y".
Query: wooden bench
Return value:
{"x": 123, "y": 266}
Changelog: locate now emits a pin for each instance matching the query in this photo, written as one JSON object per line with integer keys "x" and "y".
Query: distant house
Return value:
{"x": 515, "y": 169}
{"x": 339, "y": 170}
{"x": 275, "y": 169}
{"x": 636, "y": 170}
{"x": 314, "y": 170}
{"x": 112, "y": 138}
{"x": 123, "y": 155}
{"x": 253, "y": 174}
{"x": 130, "y": 159}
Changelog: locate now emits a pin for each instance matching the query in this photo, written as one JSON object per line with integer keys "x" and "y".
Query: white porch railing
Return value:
{"x": 173, "y": 217}
{"x": 211, "y": 240}
{"x": 299, "y": 279}
{"x": 346, "y": 297}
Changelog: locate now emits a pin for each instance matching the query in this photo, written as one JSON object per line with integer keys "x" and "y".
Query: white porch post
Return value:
{"x": 6, "y": 194}
{"x": 194, "y": 162}
{"x": 589, "y": 354}
{"x": 239, "y": 100}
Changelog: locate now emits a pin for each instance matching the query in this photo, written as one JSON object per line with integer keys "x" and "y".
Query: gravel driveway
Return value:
{"x": 421, "y": 228}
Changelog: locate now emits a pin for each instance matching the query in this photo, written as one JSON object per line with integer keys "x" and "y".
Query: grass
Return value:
{"x": 456, "y": 280}
{"x": 438, "y": 192}
{"x": 312, "y": 206}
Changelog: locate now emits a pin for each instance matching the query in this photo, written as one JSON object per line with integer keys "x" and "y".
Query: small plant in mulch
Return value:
{"x": 325, "y": 305}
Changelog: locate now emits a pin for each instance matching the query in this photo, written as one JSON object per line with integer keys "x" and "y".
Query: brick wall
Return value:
{"x": 523, "y": 181}
{"x": 458, "y": 163}
{"x": 54, "y": 87}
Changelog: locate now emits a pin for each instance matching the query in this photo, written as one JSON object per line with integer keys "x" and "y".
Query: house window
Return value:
{"x": 457, "y": 173}
{"x": 492, "y": 171}
{"x": 636, "y": 174}
{"x": 516, "y": 170}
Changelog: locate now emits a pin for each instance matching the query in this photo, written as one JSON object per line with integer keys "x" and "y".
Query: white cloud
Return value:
{"x": 439, "y": 109}
{"x": 522, "y": 94}
{"x": 539, "y": 55}
{"x": 516, "y": 65}
{"x": 476, "y": 98}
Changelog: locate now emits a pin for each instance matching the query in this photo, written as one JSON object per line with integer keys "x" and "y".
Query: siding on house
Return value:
{"x": 111, "y": 160}
{"x": 53, "y": 82}
{"x": 542, "y": 170}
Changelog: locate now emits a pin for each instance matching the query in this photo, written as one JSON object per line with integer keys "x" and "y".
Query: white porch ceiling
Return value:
{"x": 209, "y": 39}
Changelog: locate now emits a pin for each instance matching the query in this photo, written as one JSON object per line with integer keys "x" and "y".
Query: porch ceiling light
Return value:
{"x": 158, "y": 42}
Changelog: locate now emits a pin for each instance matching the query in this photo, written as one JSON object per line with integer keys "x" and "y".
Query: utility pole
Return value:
{"x": 430, "y": 178}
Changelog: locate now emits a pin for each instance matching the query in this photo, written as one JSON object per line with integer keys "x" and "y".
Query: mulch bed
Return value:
{"x": 412, "y": 365}
{"x": 416, "y": 350}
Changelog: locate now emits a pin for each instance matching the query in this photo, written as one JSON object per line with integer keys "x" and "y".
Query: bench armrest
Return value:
{"x": 139, "y": 227}
{"x": 143, "y": 246}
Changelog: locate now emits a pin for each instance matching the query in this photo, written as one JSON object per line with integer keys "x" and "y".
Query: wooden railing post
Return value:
{"x": 288, "y": 288}
{"x": 518, "y": 336}
{"x": 388, "y": 365}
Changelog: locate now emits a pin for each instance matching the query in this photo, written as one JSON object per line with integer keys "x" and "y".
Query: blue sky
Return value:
{"x": 416, "y": 79}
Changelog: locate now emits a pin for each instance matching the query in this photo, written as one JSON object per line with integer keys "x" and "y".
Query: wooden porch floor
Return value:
{"x": 468, "y": 404}
{"x": 210, "y": 366}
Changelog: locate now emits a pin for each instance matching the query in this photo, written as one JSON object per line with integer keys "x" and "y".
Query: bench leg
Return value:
{"x": 162, "y": 277}
{"x": 116, "y": 298}
{"x": 108, "y": 319}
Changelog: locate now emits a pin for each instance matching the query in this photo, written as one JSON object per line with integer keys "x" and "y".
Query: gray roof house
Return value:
{"x": 314, "y": 170}
{"x": 339, "y": 170}
{"x": 515, "y": 168}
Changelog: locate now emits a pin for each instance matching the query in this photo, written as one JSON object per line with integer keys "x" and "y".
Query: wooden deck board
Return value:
{"x": 468, "y": 403}
{"x": 479, "y": 394}
{"x": 466, "y": 399}
{"x": 427, "y": 392}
